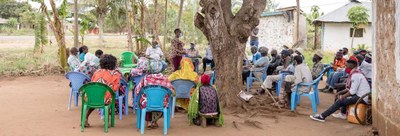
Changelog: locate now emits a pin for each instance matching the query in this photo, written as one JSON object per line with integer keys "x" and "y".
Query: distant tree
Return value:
{"x": 358, "y": 15}
{"x": 84, "y": 27}
{"x": 314, "y": 30}
{"x": 40, "y": 33}
{"x": 11, "y": 25}
{"x": 13, "y": 9}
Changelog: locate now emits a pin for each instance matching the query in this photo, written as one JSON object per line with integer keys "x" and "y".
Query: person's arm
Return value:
{"x": 298, "y": 75}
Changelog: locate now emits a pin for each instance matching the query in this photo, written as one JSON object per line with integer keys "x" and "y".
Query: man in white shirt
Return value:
{"x": 366, "y": 66}
{"x": 356, "y": 86}
{"x": 73, "y": 60}
{"x": 154, "y": 52}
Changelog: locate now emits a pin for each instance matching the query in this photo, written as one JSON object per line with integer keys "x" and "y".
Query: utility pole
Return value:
{"x": 298, "y": 22}
{"x": 76, "y": 29}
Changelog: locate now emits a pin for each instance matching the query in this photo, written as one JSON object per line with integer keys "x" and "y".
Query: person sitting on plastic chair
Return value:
{"x": 154, "y": 53}
{"x": 193, "y": 54}
{"x": 333, "y": 78}
{"x": 302, "y": 74}
{"x": 286, "y": 67}
{"x": 258, "y": 65}
{"x": 318, "y": 67}
{"x": 108, "y": 75}
{"x": 204, "y": 105}
{"x": 154, "y": 78}
{"x": 356, "y": 86}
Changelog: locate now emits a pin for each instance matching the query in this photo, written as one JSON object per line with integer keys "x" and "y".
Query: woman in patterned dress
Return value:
{"x": 108, "y": 75}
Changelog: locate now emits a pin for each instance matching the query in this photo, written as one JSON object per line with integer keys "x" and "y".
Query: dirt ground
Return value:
{"x": 37, "y": 106}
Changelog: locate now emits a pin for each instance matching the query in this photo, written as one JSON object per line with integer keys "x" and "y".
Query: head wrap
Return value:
{"x": 155, "y": 67}
{"x": 205, "y": 79}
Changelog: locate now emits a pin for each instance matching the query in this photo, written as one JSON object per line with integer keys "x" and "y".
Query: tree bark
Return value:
{"x": 76, "y": 28}
{"x": 228, "y": 35}
{"x": 155, "y": 24}
{"x": 165, "y": 25}
{"x": 128, "y": 17}
{"x": 101, "y": 10}
{"x": 180, "y": 13}
{"x": 352, "y": 39}
{"x": 142, "y": 25}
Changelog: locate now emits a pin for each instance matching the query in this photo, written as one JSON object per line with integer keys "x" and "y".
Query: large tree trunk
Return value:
{"x": 228, "y": 35}
{"x": 165, "y": 25}
{"x": 128, "y": 17}
{"x": 155, "y": 23}
{"x": 180, "y": 13}
{"x": 100, "y": 23}
{"x": 76, "y": 28}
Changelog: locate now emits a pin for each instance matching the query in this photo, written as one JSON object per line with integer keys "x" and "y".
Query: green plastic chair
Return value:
{"x": 127, "y": 61}
{"x": 93, "y": 97}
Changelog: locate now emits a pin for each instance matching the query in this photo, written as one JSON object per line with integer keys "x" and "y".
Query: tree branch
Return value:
{"x": 199, "y": 23}
{"x": 247, "y": 18}
{"x": 226, "y": 6}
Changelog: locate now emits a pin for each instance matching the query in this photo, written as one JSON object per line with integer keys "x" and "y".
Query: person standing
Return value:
{"x": 208, "y": 58}
{"x": 177, "y": 50}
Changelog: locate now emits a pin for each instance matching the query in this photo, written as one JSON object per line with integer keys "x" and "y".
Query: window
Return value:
{"x": 359, "y": 32}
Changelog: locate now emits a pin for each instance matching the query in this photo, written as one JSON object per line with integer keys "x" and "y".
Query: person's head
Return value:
{"x": 298, "y": 59}
{"x": 345, "y": 51}
{"x": 205, "y": 79}
{"x": 178, "y": 33}
{"x": 351, "y": 64}
{"x": 339, "y": 55}
{"x": 263, "y": 51}
{"x": 291, "y": 51}
{"x": 253, "y": 49}
{"x": 156, "y": 67}
{"x": 285, "y": 47}
{"x": 368, "y": 58}
{"x": 317, "y": 57}
{"x": 274, "y": 52}
{"x": 363, "y": 52}
{"x": 360, "y": 58}
{"x": 108, "y": 62}
{"x": 285, "y": 53}
{"x": 74, "y": 51}
{"x": 299, "y": 51}
{"x": 98, "y": 53}
{"x": 192, "y": 45}
{"x": 85, "y": 49}
{"x": 154, "y": 44}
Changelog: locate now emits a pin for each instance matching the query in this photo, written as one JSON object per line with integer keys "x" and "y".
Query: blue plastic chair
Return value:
{"x": 312, "y": 95}
{"x": 182, "y": 89}
{"x": 135, "y": 80}
{"x": 119, "y": 97}
{"x": 77, "y": 80}
{"x": 155, "y": 95}
{"x": 250, "y": 79}
{"x": 213, "y": 78}
{"x": 280, "y": 81}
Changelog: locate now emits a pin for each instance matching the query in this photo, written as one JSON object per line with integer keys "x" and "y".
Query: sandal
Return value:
{"x": 154, "y": 126}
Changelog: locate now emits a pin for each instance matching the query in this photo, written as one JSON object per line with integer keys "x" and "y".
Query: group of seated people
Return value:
{"x": 103, "y": 68}
{"x": 351, "y": 76}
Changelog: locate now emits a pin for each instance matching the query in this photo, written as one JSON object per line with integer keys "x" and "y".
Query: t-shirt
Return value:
{"x": 255, "y": 57}
{"x": 74, "y": 62}
{"x": 154, "y": 53}
{"x": 366, "y": 69}
{"x": 359, "y": 85}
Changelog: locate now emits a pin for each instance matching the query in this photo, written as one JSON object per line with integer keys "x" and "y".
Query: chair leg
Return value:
{"x": 173, "y": 107}
{"x": 165, "y": 121}
{"x": 138, "y": 118}
{"x": 203, "y": 122}
{"x": 248, "y": 84}
{"x": 142, "y": 120}
{"x": 69, "y": 101}
{"x": 106, "y": 111}
{"x": 112, "y": 115}
{"x": 83, "y": 117}
{"x": 120, "y": 107}
{"x": 313, "y": 104}
{"x": 76, "y": 98}
{"x": 293, "y": 101}
{"x": 126, "y": 104}
{"x": 278, "y": 88}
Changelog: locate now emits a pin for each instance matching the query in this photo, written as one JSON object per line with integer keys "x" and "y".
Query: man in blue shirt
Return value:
{"x": 256, "y": 54}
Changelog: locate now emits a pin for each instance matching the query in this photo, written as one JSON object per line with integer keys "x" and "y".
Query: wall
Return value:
{"x": 337, "y": 36}
{"x": 275, "y": 31}
{"x": 386, "y": 87}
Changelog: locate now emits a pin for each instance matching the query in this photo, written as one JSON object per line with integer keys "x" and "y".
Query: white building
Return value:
{"x": 337, "y": 29}
{"x": 279, "y": 28}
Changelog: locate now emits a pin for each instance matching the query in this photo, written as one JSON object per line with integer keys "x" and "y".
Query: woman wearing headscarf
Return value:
{"x": 204, "y": 104}
{"x": 187, "y": 73}
{"x": 154, "y": 78}
{"x": 89, "y": 65}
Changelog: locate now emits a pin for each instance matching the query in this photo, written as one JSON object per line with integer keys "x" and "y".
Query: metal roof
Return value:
{"x": 340, "y": 15}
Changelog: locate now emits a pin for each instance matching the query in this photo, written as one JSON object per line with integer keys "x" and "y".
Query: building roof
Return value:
{"x": 279, "y": 11}
{"x": 340, "y": 15}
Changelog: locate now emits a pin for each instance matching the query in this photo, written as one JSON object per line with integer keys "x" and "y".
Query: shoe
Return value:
{"x": 322, "y": 90}
{"x": 340, "y": 116}
{"x": 317, "y": 117}
{"x": 330, "y": 90}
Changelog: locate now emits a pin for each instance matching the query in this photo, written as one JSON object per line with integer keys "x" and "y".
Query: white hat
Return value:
{"x": 300, "y": 50}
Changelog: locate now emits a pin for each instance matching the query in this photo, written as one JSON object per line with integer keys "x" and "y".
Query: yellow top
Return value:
{"x": 186, "y": 71}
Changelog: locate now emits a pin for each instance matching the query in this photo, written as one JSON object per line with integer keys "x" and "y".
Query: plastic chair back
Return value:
{"x": 95, "y": 92}
{"x": 136, "y": 79}
{"x": 126, "y": 58}
{"x": 183, "y": 87}
{"x": 213, "y": 78}
{"x": 155, "y": 95}
{"x": 77, "y": 79}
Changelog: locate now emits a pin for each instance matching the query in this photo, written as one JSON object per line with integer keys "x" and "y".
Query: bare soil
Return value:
{"x": 37, "y": 106}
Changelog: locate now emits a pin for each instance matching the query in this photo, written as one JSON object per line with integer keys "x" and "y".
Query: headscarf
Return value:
{"x": 186, "y": 71}
{"x": 89, "y": 59}
{"x": 141, "y": 67}
{"x": 205, "y": 79}
{"x": 155, "y": 66}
